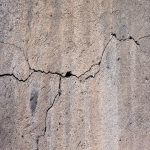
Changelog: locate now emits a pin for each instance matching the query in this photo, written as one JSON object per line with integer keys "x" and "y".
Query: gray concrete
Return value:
{"x": 74, "y": 75}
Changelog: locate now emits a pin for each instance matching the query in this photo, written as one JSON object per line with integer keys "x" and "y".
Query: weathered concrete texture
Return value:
{"x": 74, "y": 75}
{"x": 24, "y": 107}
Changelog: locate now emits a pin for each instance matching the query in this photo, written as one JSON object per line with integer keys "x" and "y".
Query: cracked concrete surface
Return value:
{"x": 74, "y": 75}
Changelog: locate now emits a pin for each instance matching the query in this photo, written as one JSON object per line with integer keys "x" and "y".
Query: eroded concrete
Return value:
{"x": 74, "y": 75}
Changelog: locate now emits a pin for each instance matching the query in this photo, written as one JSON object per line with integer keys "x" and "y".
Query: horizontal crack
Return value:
{"x": 68, "y": 74}
{"x": 129, "y": 38}
{"x": 38, "y": 71}
{"x": 12, "y": 75}
{"x": 144, "y": 37}
{"x": 11, "y": 44}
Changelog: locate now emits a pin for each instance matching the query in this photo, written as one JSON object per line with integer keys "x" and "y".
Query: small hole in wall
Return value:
{"x": 113, "y": 34}
{"x": 130, "y": 37}
{"x": 68, "y": 74}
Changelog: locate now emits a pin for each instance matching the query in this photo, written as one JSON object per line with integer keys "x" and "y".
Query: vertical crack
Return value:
{"x": 45, "y": 128}
{"x": 97, "y": 64}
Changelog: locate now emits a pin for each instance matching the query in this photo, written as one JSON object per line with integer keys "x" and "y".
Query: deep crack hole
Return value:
{"x": 113, "y": 34}
{"x": 130, "y": 37}
{"x": 68, "y": 74}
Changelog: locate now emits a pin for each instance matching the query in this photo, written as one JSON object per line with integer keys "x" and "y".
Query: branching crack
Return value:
{"x": 97, "y": 64}
{"x": 12, "y": 44}
{"x": 69, "y": 73}
{"x": 12, "y": 75}
{"x": 45, "y": 128}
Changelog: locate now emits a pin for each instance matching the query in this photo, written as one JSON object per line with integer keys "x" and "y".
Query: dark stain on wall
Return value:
{"x": 33, "y": 100}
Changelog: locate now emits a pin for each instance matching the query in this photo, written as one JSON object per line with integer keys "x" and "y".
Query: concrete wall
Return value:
{"x": 74, "y": 75}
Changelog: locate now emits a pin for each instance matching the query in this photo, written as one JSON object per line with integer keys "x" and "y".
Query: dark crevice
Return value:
{"x": 45, "y": 128}
{"x": 59, "y": 89}
{"x": 113, "y": 34}
{"x": 12, "y": 75}
{"x": 129, "y": 38}
{"x": 144, "y": 37}
{"x": 97, "y": 64}
{"x": 90, "y": 76}
{"x": 68, "y": 74}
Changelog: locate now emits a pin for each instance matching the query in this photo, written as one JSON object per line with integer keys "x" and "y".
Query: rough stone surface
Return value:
{"x": 74, "y": 75}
